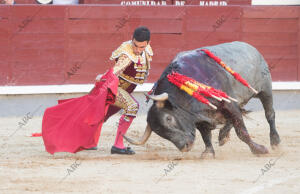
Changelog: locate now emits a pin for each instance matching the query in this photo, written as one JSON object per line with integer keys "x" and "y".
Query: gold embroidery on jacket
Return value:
{"x": 125, "y": 55}
{"x": 126, "y": 48}
{"x": 121, "y": 64}
{"x": 124, "y": 84}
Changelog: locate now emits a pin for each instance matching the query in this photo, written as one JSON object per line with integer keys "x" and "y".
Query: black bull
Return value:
{"x": 175, "y": 115}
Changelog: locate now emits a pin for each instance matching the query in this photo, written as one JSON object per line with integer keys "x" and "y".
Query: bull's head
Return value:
{"x": 169, "y": 122}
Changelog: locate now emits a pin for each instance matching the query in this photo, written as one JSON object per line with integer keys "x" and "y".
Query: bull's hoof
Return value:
{"x": 274, "y": 140}
{"x": 258, "y": 149}
{"x": 224, "y": 140}
{"x": 209, "y": 153}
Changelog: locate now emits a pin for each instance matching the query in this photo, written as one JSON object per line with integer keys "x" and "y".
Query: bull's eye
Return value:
{"x": 169, "y": 119}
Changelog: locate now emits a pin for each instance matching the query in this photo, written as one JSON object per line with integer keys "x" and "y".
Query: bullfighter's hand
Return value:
{"x": 98, "y": 78}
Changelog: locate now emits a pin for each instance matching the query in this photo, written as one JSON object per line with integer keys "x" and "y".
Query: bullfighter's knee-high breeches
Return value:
{"x": 126, "y": 102}
{"x": 130, "y": 106}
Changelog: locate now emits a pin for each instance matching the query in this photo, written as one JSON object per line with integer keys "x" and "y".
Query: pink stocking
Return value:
{"x": 122, "y": 129}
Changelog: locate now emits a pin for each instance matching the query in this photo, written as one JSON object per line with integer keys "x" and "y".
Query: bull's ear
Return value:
{"x": 163, "y": 104}
{"x": 159, "y": 104}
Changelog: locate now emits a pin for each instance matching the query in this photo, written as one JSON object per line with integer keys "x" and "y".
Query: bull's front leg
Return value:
{"x": 224, "y": 133}
{"x": 237, "y": 120}
{"x": 209, "y": 151}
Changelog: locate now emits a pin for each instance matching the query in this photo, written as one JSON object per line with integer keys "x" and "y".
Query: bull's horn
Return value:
{"x": 161, "y": 97}
{"x": 143, "y": 140}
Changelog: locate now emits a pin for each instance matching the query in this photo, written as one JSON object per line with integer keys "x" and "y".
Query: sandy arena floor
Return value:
{"x": 158, "y": 167}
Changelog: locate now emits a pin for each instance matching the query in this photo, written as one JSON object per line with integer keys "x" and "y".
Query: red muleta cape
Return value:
{"x": 75, "y": 124}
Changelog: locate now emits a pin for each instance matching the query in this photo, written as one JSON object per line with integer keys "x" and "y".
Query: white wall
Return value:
{"x": 275, "y": 2}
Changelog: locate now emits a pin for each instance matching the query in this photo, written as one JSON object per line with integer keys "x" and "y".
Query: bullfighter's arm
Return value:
{"x": 119, "y": 67}
{"x": 121, "y": 64}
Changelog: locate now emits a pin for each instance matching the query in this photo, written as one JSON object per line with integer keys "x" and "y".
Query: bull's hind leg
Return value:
{"x": 233, "y": 113}
{"x": 266, "y": 99}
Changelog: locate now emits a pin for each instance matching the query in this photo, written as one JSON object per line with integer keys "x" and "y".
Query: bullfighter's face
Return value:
{"x": 139, "y": 47}
{"x": 169, "y": 123}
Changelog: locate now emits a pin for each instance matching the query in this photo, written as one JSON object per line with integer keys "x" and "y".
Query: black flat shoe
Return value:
{"x": 92, "y": 148}
{"x": 115, "y": 150}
